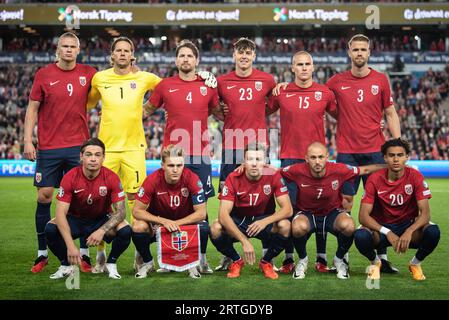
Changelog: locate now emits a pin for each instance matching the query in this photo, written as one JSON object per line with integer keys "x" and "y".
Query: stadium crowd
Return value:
{"x": 419, "y": 101}
{"x": 211, "y": 43}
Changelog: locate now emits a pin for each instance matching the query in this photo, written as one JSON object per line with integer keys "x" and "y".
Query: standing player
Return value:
{"x": 87, "y": 194}
{"x": 172, "y": 196}
{"x": 319, "y": 200}
{"x": 395, "y": 212}
{"x": 363, "y": 97}
{"x": 248, "y": 210}
{"x": 58, "y": 102}
{"x": 122, "y": 92}
{"x": 303, "y": 105}
{"x": 245, "y": 91}
{"x": 188, "y": 102}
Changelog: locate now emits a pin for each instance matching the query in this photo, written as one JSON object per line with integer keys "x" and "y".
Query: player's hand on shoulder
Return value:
{"x": 209, "y": 78}
{"x": 277, "y": 90}
{"x": 29, "y": 151}
{"x": 240, "y": 168}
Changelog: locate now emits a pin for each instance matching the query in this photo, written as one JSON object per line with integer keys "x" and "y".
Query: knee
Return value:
{"x": 216, "y": 229}
{"x": 300, "y": 227}
{"x": 44, "y": 195}
{"x": 347, "y": 227}
{"x": 125, "y": 233}
{"x": 432, "y": 232}
{"x": 140, "y": 226}
{"x": 51, "y": 230}
{"x": 284, "y": 227}
{"x": 362, "y": 236}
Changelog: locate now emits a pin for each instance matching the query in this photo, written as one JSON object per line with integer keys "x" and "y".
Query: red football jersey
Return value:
{"x": 187, "y": 104}
{"x": 253, "y": 198}
{"x": 62, "y": 120}
{"x": 397, "y": 201}
{"x": 319, "y": 195}
{"x": 302, "y": 117}
{"x": 173, "y": 202}
{"x": 90, "y": 198}
{"x": 246, "y": 100}
{"x": 360, "y": 106}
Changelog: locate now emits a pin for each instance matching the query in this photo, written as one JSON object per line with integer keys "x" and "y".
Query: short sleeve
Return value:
{"x": 387, "y": 99}
{"x": 146, "y": 191}
{"x": 370, "y": 192}
{"x": 37, "y": 93}
{"x": 117, "y": 193}
{"x": 213, "y": 102}
{"x": 331, "y": 106}
{"x": 422, "y": 190}
{"x": 152, "y": 81}
{"x": 228, "y": 192}
{"x": 279, "y": 185}
{"x": 273, "y": 103}
{"x": 65, "y": 188}
{"x": 156, "y": 98}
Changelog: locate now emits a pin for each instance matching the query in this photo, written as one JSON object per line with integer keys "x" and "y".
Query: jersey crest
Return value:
{"x": 374, "y": 89}
{"x": 103, "y": 191}
{"x": 335, "y": 185}
{"x": 258, "y": 85}
{"x": 203, "y": 91}
{"x": 318, "y": 95}
{"x": 408, "y": 189}
{"x": 185, "y": 192}
{"x": 133, "y": 85}
{"x": 267, "y": 189}
{"x": 83, "y": 81}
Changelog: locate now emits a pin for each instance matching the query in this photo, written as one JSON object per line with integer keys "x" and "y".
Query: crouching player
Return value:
{"x": 319, "y": 200}
{"x": 85, "y": 198}
{"x": 171, "y": 197}
{"x": 247, "y": 210}
{"x": 395, "y": 212}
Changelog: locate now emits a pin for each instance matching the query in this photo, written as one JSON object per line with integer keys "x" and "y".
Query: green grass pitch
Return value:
{"x": 18, "y": 249}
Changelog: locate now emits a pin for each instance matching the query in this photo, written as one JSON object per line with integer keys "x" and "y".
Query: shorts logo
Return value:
{"x": 141, "y": 192}
{"x": 38, "y": 177}
{"x": 318, "y": 95}
{"x": 203, "y": 91}
{"x": 408, "y": 189}
{"x": 374, "y": 89}
{"x": 103, "y": 191}
{"x": 185, "y": 192}
{"x": 133, "y": 85}
{"x": 225, "y": 191}
{"x": 286, "y": 169}
{"x": 258, "y": 85}
{"x": 61, "y": 192}
{"x": 335, "y": 185}
{"x": 267, "y": 189}
{"x": 83, "y": 81}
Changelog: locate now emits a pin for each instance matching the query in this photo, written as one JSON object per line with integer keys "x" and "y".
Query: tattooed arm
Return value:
{"x": 116, "y": 217}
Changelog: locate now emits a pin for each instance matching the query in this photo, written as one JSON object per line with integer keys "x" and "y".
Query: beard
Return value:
{"x": 360, "y": 63}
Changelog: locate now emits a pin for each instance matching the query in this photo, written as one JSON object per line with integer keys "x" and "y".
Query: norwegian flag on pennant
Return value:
{"x": 179, "y": 250}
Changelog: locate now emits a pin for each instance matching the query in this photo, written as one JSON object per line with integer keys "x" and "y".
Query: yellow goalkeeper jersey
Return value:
{"x": 121, "y": 127}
